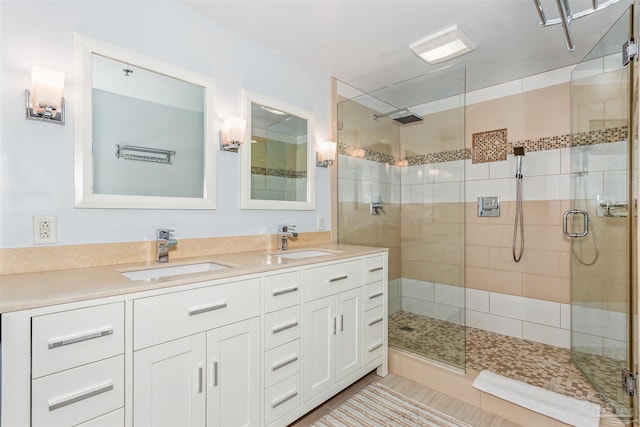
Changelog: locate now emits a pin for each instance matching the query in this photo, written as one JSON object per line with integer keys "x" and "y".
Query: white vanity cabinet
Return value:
{"x": 189, "y": 373}
{"x": 255, "y": 349}
{"x": 332, "y": 316}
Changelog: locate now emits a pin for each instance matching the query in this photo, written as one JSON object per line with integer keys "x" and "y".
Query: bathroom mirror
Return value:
{"x": 144, "y": 131}
{"x": 278, "y": 168}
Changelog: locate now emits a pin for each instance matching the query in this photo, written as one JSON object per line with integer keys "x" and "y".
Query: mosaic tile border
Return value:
{"x": 281, "y": 173}
{"x": 489, "y": 146}
{"x": 581, "y": 139}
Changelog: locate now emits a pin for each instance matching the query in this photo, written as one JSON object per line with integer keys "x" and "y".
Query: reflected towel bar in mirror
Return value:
{"x": 131, "y": 152}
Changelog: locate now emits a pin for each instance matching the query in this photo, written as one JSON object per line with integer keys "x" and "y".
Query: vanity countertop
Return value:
{"x": 33, "y": 290}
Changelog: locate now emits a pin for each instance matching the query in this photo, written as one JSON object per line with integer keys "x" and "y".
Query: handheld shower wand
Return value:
{"x": 519, "y": 153}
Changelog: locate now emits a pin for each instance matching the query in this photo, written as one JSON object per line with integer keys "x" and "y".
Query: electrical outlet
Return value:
{"x": 320, "y": 222}
{"x": 44, "y": 230}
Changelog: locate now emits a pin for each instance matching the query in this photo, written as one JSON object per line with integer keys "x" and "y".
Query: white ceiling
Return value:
{"x": 365, "y": 42}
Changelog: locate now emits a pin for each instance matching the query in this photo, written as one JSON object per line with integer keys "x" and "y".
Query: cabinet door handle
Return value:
{"x": 341, "y": 323}
{"x": 374, "y": 347}
{"x": 59, "y": 342}
{"x": 200, "y": 310}
{"x": 334, "y": 326}
{"x": 199, "y": 379}
{"x": 337, "y": 279}
{"x": 286, "y": 362}
{"x": 284, "y": 399}
{"x": 281, "y": 328}
{"x": 215, "y": 373}
{"x": 283, "y": 291}
{"x": 78, "y": 397}
{"x": 376, "y": 295}
{"x": 373, "y": 270}
{"x": 374, "y": 321}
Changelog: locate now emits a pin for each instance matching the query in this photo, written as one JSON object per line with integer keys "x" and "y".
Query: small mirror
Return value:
{"x": 144, "y": 134}
{"x": 278, "y": 168}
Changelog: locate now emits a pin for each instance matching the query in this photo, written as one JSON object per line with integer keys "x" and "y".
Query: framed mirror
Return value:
{"x": 144, "y": 135}
{"x": 278, "y": 157}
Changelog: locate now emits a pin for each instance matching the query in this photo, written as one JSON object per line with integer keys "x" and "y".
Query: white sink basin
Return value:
{"x": 156, "y": 273}
{"x": 304, "y": 254}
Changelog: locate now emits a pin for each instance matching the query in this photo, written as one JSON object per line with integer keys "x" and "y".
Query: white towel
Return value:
{"x": 557, "y": 406}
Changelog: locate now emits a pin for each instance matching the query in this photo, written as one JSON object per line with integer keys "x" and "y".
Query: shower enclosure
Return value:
{"x": 401, "y": 186}
{"x": 602, "y": 218}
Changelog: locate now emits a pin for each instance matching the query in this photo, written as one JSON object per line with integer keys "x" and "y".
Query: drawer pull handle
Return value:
{"x": 284, "y": 399}
{"x": 374, "y": 321}
{"x": 373, "y": 270}
{"x": 60, "y": 342}
{"x": 376, "y": 295}
{"x": 337, "y": 279}
{"x": 215, "y": 373}
{"x": 284, "y": 291}
{"x": 286, "y": 362}
{"x": 200, "y": 380}
{"x": 94, "y": 391}
{"x": 282, "y": 328}
{"x": 374, "y": 347}
{"x": 196, "y": 311}
{"x": 342, "y": 323}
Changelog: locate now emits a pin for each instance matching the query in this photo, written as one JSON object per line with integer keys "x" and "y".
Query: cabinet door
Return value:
{"x": 169, "y": 383}
{"x": 318, "y": 346}
{"x": 233, "y": 383}
{"x": 349, "y": 333}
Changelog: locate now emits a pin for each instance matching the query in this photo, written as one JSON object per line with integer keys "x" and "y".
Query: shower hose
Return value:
{"x": 518, "y": 223}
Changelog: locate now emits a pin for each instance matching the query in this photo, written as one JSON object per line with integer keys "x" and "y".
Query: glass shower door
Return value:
{"x": 600, "y": 218}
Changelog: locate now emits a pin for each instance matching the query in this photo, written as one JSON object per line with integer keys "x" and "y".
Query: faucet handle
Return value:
{"x": 164, "y": 233}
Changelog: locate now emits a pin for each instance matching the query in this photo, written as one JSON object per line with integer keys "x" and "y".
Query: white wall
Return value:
{"x": 36, "y": 159}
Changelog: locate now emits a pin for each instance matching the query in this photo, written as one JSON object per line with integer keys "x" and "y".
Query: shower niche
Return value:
{"x": 401, "y": 170}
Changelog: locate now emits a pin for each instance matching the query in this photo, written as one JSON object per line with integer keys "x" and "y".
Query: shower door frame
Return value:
{"x": 631, "y": 235}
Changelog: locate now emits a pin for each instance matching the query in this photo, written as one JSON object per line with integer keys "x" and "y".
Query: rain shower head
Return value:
{"x": 409, "y": 118}
{"x": 404, "y": 119}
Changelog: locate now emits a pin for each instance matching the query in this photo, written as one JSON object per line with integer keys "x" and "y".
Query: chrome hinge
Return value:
{"x": 629, "y": 382}
{"x": 629, "y": 51}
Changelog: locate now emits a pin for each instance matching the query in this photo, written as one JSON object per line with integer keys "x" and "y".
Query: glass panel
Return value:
{"x": 401, "y": 186}
{"x": 600, "y": 299}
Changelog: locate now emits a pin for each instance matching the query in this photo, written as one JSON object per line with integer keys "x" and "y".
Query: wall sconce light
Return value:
{"x": 326, "y": 154}
{"x": 233, "y": 134}
{"x": 45, "y": 102}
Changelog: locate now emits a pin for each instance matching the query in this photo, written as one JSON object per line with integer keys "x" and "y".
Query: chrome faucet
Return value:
{"x": 284, "y": 232}
{"x": 164, "y": 240}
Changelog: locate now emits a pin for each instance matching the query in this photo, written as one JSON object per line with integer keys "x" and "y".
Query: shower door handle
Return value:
{"x": 565, "y": 223}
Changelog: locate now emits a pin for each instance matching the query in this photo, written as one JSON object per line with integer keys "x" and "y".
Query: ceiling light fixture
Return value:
{"x": 443, "y": 46}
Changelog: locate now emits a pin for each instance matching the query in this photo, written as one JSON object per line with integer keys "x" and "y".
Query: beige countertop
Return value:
{"x": 33, "y": 290}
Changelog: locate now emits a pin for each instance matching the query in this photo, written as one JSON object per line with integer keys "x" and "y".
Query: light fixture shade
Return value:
{"x": 46, "y": 87}
{"x": 234, "y": 129}
{"x": 443, "y": 46}
{"x": 326, "y": 153}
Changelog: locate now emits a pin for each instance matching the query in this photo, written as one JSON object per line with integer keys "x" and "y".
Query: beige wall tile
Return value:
{"x": 506, "y": 282}
{"x": 533, "y": 261}
{"x": 547, "y": 288}
{"x": 476, "y": 256}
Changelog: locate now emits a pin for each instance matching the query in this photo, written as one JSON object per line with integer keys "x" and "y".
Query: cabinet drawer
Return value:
{"x": 327, "y": 280}
{"x": 112, "y": 419}
{"x": 80, "y": 394}
{"x": 166, "y": 317}
{"x": 281, "y": 327}
{"x": 67, "y": 339}
{"x": 373, "y": 269}
{"x": 281, "y": 399}
{"x": 374, "y": 295}
{"x": 282, "y": 291}
{"x": 281, "y": 363}
{"x": 373, "y": 334}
